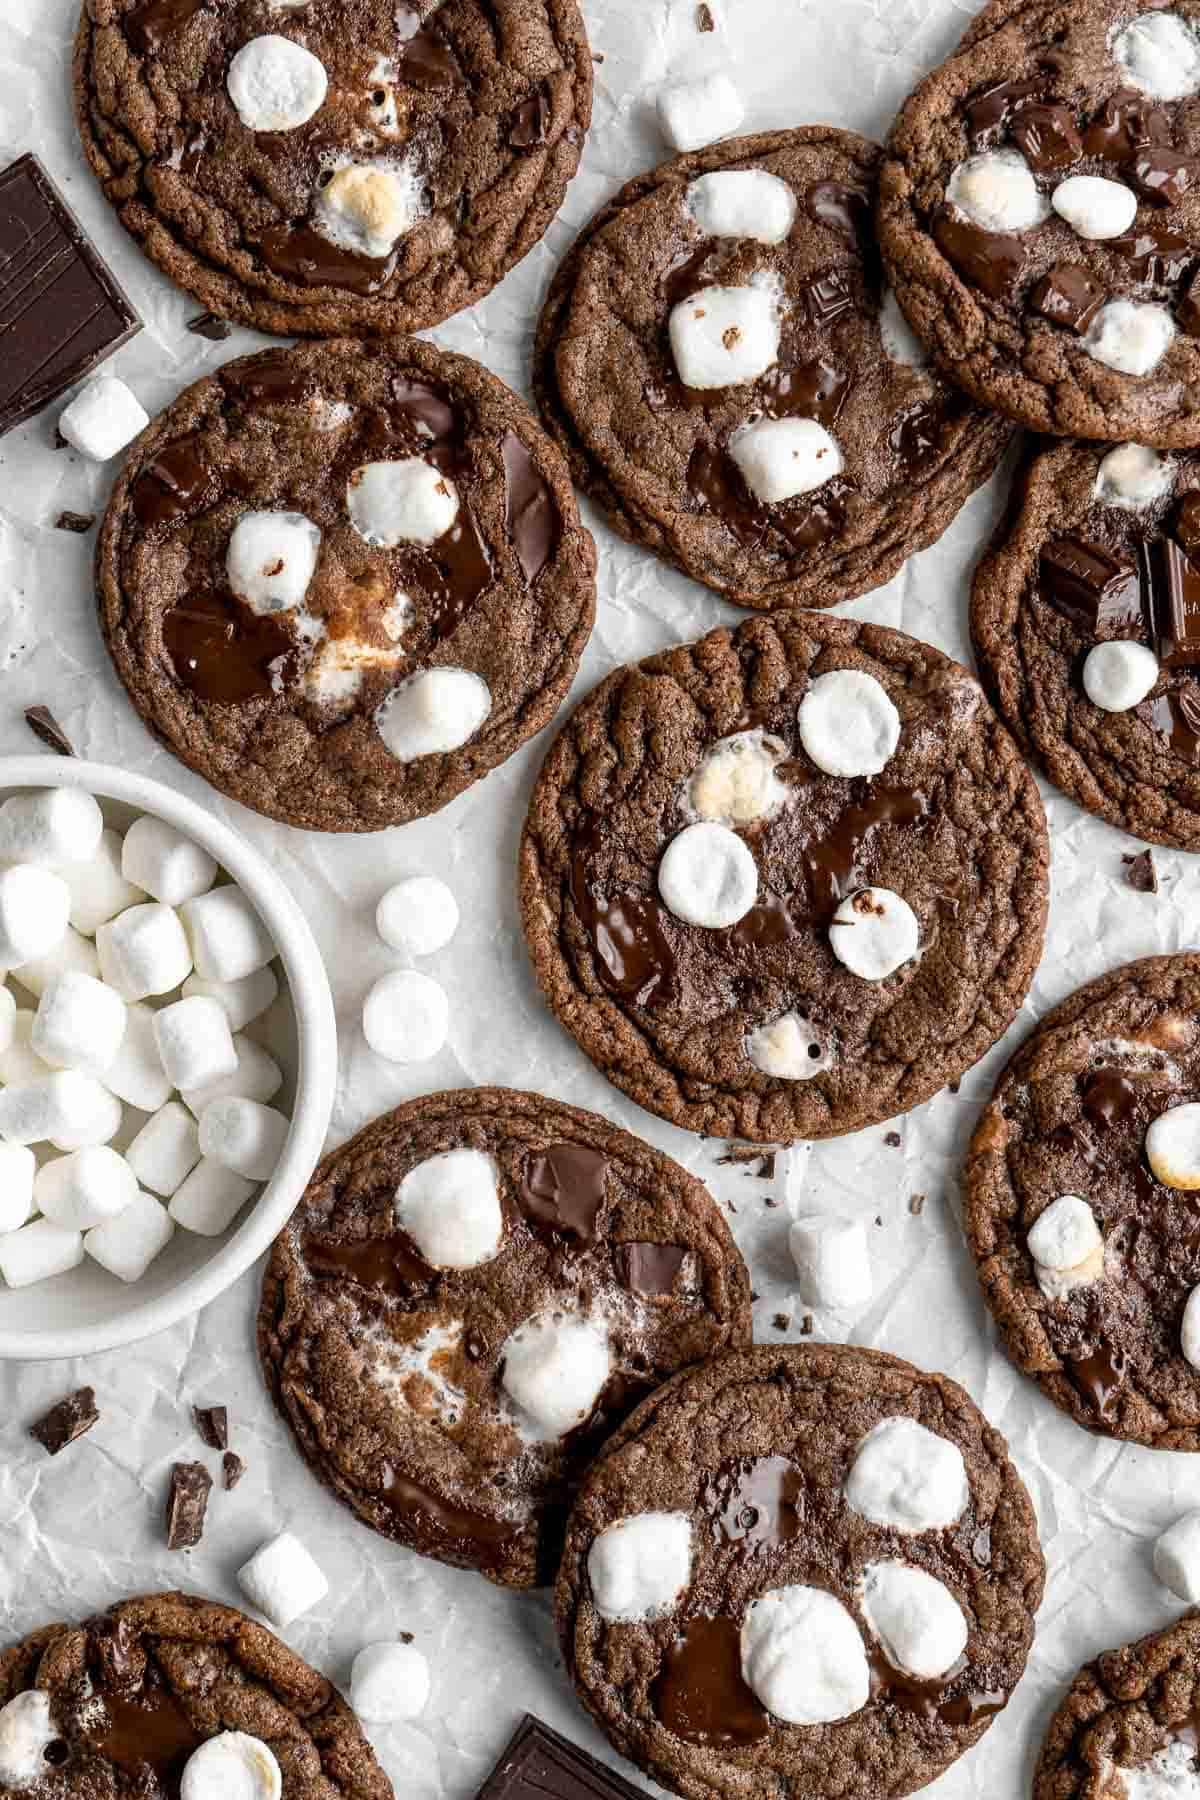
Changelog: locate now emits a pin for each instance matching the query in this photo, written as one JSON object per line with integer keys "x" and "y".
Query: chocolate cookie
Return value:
{"x": 117, "y": 1706}
{"x": 1086, "y": 624}
{"x": 1079, "y": 1208}
{"x": 820, "y": 452}
{"x": 346, "y": 580}
{"x": 334, "y": 166}
{"x": 787, "y": 881}
{"x": 1040, "y": 217}
{"x": 472, "y": 1293}
{"x": 1130, "y": 1725}
{"x": 845, "y": 1583}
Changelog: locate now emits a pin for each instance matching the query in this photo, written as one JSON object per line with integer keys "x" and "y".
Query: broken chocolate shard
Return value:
{"x": 562, "y": 1190}
{"x": 44, "y": 725}
{"x": 66, "y": 1421}
{"x": 1187, "y": 521}
{"x": 649, "y": 1268}
{"x": 232, "y": 1468}
{"x": 826, "y": 297}
{"x": 212, "y": 1423}
{"x": 208, "y": 325}
{"x": 807, "y": 1325}
{"x": 1047, "y": 136}
{"x": 1174, "y": 716}
{"x": 187, "y": 1505}
{"x": 704, "y": 19}
{"x": 1140, "y": 873}
{"x": 916, "y": 1205}
{"x": 991, "y": 110}
{"x": 1068, "y": 295}
{"x": 1091, "y": 588}
{"x": 1187, "y": 312}
{"x": 992, "y": 261}
{"x": 79, "y": 523}
{"x": 1175, "y": 604}
{"x": 539, "y": 1764}
{"x": 781, "y": 1321}
{"x": 1163, "y": 176}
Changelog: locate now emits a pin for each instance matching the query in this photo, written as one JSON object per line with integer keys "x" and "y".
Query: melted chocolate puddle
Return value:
{"x": 151, "y": 1731}
{"x": 453, "y": 1528}
{"x": 221, "y": 650}
{"x": 562, "y": 1190}
{"x": 700, "y": 1693}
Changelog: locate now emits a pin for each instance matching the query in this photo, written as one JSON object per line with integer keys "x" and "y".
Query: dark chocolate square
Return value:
{"x": 539, "y": 1764}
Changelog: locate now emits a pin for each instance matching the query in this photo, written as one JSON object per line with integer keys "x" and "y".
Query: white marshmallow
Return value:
{"x": 406, "y": 502}
{"x": 128, "y": 1244}
{"x": 103, "y": 418}
{"x": 736, "y": 783}
{"x": 53, "y": 827}
{"x": 165, "y": 864}
{"x": 79, "y": 1024}
{"x": 62, "y": 1107}
{"x": 144, "y": 951}
{"x": 742, "y": 203}
{"x": 1132, "y": 477}
{"x": 71, "y": 953}
{"x": 848, "y": 724}
{"x": 85, "y": 1188}
{"x": 18, "y": 1167}
{"x": 34, "y": 905}
{"x": 434, "y": 711}
{"x": 1118, "y": 675}
{"x": 1189, "y": 1331}
{"x": 908, "y": 1478}
{"x": 555, "y": 1369}
{"x": 388, "y": 1683}
{"x": 275, "y": 84}
{"x": 803, "y": 1656}
{"x": 419, "y": 915}
{"x": 1095, "y": 207}
{"x": 39, "y": 1252}
{"x": 789, "y": 1048}
{"x": 1159, "y": 54}
{"x": 281, "y": 1580}
{"x": 900, "y": 342}
{"x": 874, "y": 932}
{"x": 271, "y": 560}
{"x": 1065, "y": 1234}
{"x": 1130, "y": 336}
{"x": 708, "y": 876}
{"x": 918, "y": 1622}
{"x": 165, "y": 1150}
{"x": 8, "y": 1018}
{"x": 1169, "y": 1775}
{"x": 1173, "y": 1147}
{"x": 257, "y": 1077}
{"x": 20, "y": 1062}
{"x": 724, "y": 336}
{"x": 228, "y": 939}
{"x": 780, "y": 458}
{"x": 232, "y": 1766}
{"x": 1177, "y": 1558}
{"x": 195, "y": 1042}
{"x": 832, "y": 1261}
{"x": 997, "y": 191}
{"x": 450, "y": 1207}
{"x": 243, "y": 1000}
{"x": 26, "y": 1733}
{"x": 243, "y": 1136}
{"x": 99, "y": 891}
{"x": 367, "y": 207}
{"x": 640, "y": 1566}
{"x": 136, "y": 1074}
{"x": 406, "y": 1017}
{"x": 692, "y": 114}
{"x": 210, "y": 1199}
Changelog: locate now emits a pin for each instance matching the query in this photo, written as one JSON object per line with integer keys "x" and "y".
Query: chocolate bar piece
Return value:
{"x": 66, "y": 1421}
{"x": 1091, "y": 588}
{"x": 212, "y": 1422}
{"x": 61, "y": 310}
{"x": 1068, "y": 296}
{"x": 539, "y": 1764}
{"x": 43, "y": 724}
{"x": 1187, "y": 522}
{"x": 1175, "y": 600}
{"x": 187, "y": 1505}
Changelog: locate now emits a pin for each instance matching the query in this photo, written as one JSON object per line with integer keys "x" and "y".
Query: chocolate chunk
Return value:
{"x": 704, "y": 19}
{"x": 990, "y": 111}
{"x": 538, "y": 1764}
{"x": 1187, "y": 521}
{"x": 175, "y": 484}
{"x": 61, "y": 310}
{"x": 807, "y": 1325}
{"x": 758, "y": 1502}
{"x": 1175, "y": 717}
{"x": 76, "y": 522}
{"x": 1091, "y": 588}
{"x": 150, "y": 25}
{"x": 740, "y": 1153}
{"x": 649, "y": 1268}
{"x": 44, "y": 725}
{"x": 1160, "y": 256}
{"x": 1175, "y": 604}
{"x": 781, "y": 1321}
{"x": 232, "y": 1468}
{"x": 531, "y": 516}
{"x": 1188, "y": 311}
{"x": 826, "y": 298}
{"x": 1048, "y": 136}
{"x": 916, "y": 1205}
{"x": 1140, "y": 873}
{"x": 562, "y": 1190}
{"x": 766, "y": 1169}
{"x": 66, "y": 1421}
{"x": 212, "y": 1422}
{"x": 187, "y": 1504}
{"x": 1163, "y": 176}
{"x": 530, "y": 121}
{"x": 844, "y": 209}
{"x": 207, "y": 325}
{"x": 893, "y": 1140}
{"x": 221, "y": 650}
{"x": 1068, "y": 296}
{"x": 990, "y": 260}
{"x": 1125, "y": 124}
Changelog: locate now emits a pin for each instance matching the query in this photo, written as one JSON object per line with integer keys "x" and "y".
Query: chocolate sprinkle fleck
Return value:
{"x": 233, "y": 1468}
{"x": 212, "y": 1422}
{"x": 1140, "y": 873}
{"x": 187, "y": 1504}
{"x": 66, "y": 1421}
{"x": 44, "y": 725}
{"x": 76, "y": 522}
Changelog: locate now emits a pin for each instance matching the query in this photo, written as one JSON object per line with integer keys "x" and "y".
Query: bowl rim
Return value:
{"x": 316, "y": 1034}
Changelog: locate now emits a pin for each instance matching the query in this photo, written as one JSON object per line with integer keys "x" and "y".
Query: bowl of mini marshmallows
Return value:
{"x": 168, "y": 1057}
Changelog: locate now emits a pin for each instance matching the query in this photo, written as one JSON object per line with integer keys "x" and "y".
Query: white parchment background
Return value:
{"x": 84, "y": 1530}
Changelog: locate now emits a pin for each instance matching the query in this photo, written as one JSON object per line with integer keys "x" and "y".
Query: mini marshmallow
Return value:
{"x": 85, "y": 1188}
{"x": 367, "y": 207}
{"x": 53, "y": 827}
{"x": 708, "y": 876}
{"x": 724, "y": 336}
{"x": 419, "y": 915}
{"x": 803, "y": 1656}
{"x": 72, "y": 953}
{"x": 39, "y": 1252}
{"x": 281, "y": 1580}
{"x": 1177, "y": 1558}
{"x": 1173, "y": 1147}
{"x": 1065, "y": 1234}
{"x": 62, "y": 1107}
{"x": 136, "y": 1074}
{"x": 165, "y": 864}
{"x": 103, "y": 419}
{"x": 742, "y": 203}
{"x": 874, "y": 932}
{"x": 736, "y": 783}
{"x": 257, "y": 1077}
{"x": 18, "y": 1167}
{"x": 450, "y": 1207}
{"x": 99, "y": 891}
{"x": 243, "y": 1136}
{"x": 692, "y": 114}
{"x": 275, "y": 84}
{"x": 1095, "y": 207}
{"x": 918, "y": 1622}
{"x": 832, "y": 1262}
{"x": 26, "y": 1733}
{"x": 406, "y": 1017}
{"x": 210, "y": 1199}
{"x": 900, "y": 342}
{"x": 20, "y": 1062}
{"x": 555, "y": 1369}
{"x": 243, "y": 1000}
{"x": 1159, "y": 54}
{"x": 79, "y": 1024}
{"x": 780, "y": 458}
{"x": 271, "y": 560}
{"x": 908, "y": 1478}
{"x": 34, "y": 906}
{"x": 1170, "y": 1774}
{"x": 195, "y": 1042}
{"x": 997, "y": 192}
{"x": 1130, "y": 336}
{"x": 433, "y": 712}
{"x": 8, "y": 1018}
{"x": 165, "y": 1150}
{"x": 789, "y": 1049}
{"x": 640, "y": 1566}
{"x": 1189, "y": 1330}
{"x": 848, "y": 724}
{"x": 1132, "y": 477}
{"x": 406, "y": 502}
{"x": 128, "y": 1244}
{"x": 1118, "y": 675}
{"x": 232, "y": 1766}
{"x": 144, "y": 951}
{"x": 388, "y": 1683}
{"x": 228, "y": 939}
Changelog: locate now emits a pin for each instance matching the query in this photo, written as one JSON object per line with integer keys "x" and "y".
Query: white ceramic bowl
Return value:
{"x": 88, "y": 1310}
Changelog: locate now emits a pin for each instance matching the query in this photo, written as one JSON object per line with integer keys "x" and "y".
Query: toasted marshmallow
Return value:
{"x": 1118, "y": 675}
{"x": 232, "y": 1766}
{"x": 848, "y": 724}
{"x": 742, "y": 203}
{"x": 1094, "y": 206}
{"x": 639, "y": 1567}
{"x": 276, "y": 84}
{"x": 780, "y": 458}
{"x": 1173, "y": 1147}
{"x": 908, "y": 1478}
{"x": 1133, "y": 477}
{"x": 874, "y": 932}
{"x": 708, "y": 877}
{"x": 725, "y": 336}
{"x": 271, "y": 559}
{"x": 1130, "y": 336}
{"x": 1067, "y": 1247}
{"x": 405, "y": 502}
{"x": 997, "y": 192}
{"x": 368, "y": 207}
{"x": 450, "y": 1207}
{"x": 803, "y": 1656}
{"x": 736, "y": 783}
{"x": 789, "y": 1048}
{"x": 918, "y": 1622}
{"x": 1159, "y": 54}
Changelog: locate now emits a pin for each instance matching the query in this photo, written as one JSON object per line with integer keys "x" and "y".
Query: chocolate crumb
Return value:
{"x": 739, "y": 1153}
{"x": 1140, "y": 873}
{"x": 766, "y": 1168}
{"x": 952, "y": 1087}
{"x": 60, "y": 442}
{"x": 807, "y": 1325}
{"x": 406, "y": 1637}
{"x": 770, "y": 1200}
{"x": 233, "y": 1469}
{"x": 76, "y": 522}
{"x": 916, "y": 1205}
{"x": 187, "y": 1504}
{"x": 597, "y": 56}
{"x": 781, "y": 1321}
{"x": 66, "y": 1421}
{"x": 749, "y": 1154}
{"x": 212, "y": 1422}
{"x": 207, "y": 325}
{"x": 878, "y": 1219}
{"x": 893, "y": 1140}
{"x": 755, "y": 1295}
{"x": 704, "y": 19}
{"x": 44, "y": 725}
